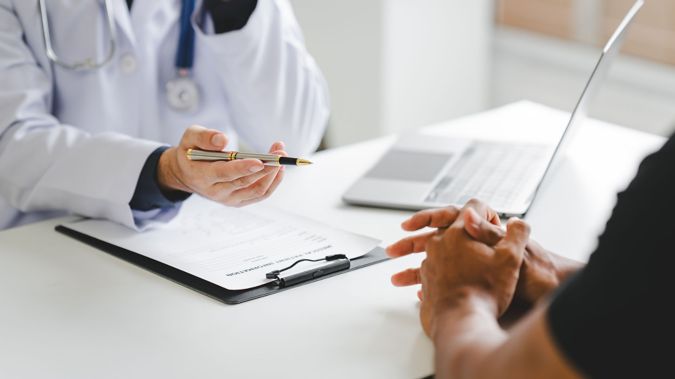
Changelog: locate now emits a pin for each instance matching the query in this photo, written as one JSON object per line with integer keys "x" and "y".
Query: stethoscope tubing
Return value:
{"x": 182, "y": 91}
{"x": 186, "y": 41}
{"x": 89, "y": 63}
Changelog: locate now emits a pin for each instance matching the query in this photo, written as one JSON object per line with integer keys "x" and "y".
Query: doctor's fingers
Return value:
{"x": 263, "y": 187}
{"x": 235, "y": 172}
{"x": 275, "y": 183}
{"x": 200, "y": 137}
{"x": 223, "y": 192}
{"x": 259, "y": 190}
{"x": 277, "y": 148}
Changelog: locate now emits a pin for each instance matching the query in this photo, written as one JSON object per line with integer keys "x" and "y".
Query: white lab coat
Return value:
{"x": 76, "y": 141}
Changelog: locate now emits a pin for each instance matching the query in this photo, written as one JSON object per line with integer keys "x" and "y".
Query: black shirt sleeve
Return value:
{"x": 148, "y": 195}
{"x": 611, "y": 319}
{"x": 230, "y": 15}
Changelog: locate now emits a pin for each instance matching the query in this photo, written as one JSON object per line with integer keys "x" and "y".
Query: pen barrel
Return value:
{"x": 267, "y": 159}
{"x": 260, "y": 157}
{"x": 200, "y": 155}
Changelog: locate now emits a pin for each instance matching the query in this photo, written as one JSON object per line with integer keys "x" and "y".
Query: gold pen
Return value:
{"x": 266, "y": 159}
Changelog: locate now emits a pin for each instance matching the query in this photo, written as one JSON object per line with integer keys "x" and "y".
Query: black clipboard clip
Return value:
{"x": 339, "y": 262}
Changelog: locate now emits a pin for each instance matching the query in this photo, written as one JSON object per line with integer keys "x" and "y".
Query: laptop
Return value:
{"x": 423, "y": 171}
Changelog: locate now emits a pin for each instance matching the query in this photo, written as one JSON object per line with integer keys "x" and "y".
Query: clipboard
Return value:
{"x": 205, "y": 287}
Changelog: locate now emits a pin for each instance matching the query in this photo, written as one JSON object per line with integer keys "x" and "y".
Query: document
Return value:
{"x": 232, "y": 247}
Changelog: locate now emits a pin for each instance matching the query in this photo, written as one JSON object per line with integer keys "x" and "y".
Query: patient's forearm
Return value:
{"x": 542, "y": 273}
{"x": 464, "y": 336}
{"x": 470, "y": 344}
{"x": 566, "y": 267}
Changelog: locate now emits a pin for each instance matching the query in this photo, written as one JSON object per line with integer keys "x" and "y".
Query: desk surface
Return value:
{"x": 70, "y": 311}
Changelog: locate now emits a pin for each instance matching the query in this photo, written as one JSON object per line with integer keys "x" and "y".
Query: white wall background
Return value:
{"x": 639, "y": 94}
{"x": 393, "y": 65}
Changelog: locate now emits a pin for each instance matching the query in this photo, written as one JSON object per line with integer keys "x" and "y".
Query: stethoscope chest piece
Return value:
{"x": 182, "y": 94}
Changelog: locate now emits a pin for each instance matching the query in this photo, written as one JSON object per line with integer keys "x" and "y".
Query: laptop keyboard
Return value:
{"x": 496, "y": 173}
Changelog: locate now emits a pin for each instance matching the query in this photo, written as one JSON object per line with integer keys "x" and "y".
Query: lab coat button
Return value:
{"x": 128, "y": 64}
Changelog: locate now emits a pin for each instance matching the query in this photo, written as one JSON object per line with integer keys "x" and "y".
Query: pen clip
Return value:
{"x": 338, "y": 262}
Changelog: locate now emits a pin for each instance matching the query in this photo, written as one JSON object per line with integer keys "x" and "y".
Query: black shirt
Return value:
{"x": 227, "y": 15}
{"x": 612, "y": 319}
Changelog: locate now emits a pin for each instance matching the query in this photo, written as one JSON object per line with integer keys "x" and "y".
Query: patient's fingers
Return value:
{"x": 483, "y": 210}
{"x": 480, "y": 229}
{"x": 409, "y": 245}
{"x": 409, "y": 277}
{"x": 434, "y": 218}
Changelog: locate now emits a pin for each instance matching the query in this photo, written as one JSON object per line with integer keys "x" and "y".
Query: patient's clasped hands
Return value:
{"x": 471, "y": 258}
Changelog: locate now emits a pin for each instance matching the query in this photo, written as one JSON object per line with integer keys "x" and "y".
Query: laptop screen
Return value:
{"x": 598, "y": 76}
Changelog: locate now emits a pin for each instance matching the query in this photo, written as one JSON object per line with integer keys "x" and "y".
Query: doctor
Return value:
{"x": 93, "y": 92}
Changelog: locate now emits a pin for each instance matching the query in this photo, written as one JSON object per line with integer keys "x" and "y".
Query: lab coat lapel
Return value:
{"x": 121, "y": 15}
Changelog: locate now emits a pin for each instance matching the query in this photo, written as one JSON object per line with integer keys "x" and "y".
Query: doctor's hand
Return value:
{"x": 235, "y": 183}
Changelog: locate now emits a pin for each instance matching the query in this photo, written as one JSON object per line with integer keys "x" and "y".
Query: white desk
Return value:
{"x": 70, "y": 311}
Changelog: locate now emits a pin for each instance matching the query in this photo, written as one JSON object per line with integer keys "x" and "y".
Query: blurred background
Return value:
{"x": 394, "y": 65}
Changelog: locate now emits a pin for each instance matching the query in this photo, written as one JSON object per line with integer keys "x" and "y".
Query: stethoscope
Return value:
{"x": 182, "y": 91}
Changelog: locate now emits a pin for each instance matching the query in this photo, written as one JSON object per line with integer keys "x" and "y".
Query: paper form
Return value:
{"x": 232, "y": 247}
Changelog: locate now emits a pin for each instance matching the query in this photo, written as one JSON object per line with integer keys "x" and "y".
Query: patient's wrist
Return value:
{"x": 466, "y": 302}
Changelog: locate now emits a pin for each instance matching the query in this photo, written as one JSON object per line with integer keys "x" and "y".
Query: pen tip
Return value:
{"x": 304, "y": 162}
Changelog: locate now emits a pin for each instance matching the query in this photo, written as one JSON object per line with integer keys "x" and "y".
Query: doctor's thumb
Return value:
{"x": 203, "y": 138}
{"x": 218, "y": 140}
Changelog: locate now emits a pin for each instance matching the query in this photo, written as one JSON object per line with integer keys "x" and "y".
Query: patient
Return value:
{"x": 606, "y": 320}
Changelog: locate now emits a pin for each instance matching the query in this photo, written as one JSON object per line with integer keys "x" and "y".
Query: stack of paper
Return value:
{"x": 232, "y": 247}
